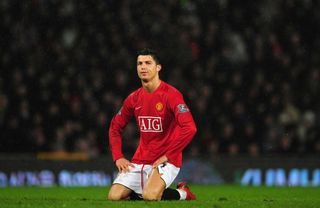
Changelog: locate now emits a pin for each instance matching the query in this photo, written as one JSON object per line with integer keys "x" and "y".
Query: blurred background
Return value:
{"x": 249, "y": 71}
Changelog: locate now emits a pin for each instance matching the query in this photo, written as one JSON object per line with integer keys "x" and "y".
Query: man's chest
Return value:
{"x": 152, "y": 113}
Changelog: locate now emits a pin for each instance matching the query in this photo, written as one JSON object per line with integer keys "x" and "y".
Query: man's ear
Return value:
{"x": 159, "y": 67}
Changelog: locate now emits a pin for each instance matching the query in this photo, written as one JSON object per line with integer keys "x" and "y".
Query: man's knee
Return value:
{"x": 113, "y": 196}
{"x": 118, "y": 192}
{"x": 151, "y": 195}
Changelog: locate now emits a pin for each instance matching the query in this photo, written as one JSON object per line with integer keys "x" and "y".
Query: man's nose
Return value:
{"x": 143, "y": 66}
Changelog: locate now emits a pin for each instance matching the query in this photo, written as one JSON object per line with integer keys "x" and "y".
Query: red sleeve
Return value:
{"x": 118, "y": 123}
{"x": 184, "y": 120}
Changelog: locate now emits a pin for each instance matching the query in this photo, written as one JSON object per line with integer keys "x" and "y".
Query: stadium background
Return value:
{"x": 249, "y": 71}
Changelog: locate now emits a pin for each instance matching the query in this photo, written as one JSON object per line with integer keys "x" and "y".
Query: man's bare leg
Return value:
{"x": 118, "y": 192}
{"x": 154, "y": 187}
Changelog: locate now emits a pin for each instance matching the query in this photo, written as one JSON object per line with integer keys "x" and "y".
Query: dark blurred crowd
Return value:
{"x": 249, "y": 71}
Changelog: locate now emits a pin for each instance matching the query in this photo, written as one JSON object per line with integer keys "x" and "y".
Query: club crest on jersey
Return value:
{"x": 159, "y": 106}
{"x": 150, "y": 124}
{"x": 182, "y": 108}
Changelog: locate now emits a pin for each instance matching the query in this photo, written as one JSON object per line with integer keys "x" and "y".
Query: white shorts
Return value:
{"x": 138, "y": 175}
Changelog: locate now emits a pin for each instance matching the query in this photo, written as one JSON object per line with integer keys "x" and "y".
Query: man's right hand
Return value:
{"x": 123, "y": 165}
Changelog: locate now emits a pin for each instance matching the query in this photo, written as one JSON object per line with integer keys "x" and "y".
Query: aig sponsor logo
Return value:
{"x": 150, "y": 124}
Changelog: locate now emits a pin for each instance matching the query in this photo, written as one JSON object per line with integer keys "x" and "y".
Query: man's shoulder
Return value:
{"x": 136, "y": 91}
{"x": 171, "y": 90}
{"x": 135, "y": 94}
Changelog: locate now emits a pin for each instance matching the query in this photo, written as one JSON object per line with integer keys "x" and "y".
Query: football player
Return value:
{"x": 166, "y": 127}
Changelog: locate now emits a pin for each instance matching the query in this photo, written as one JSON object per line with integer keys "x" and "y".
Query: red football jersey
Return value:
{"x": 164, "y": 120}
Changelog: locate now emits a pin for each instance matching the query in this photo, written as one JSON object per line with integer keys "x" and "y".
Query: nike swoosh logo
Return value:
{"x": 137, "y": 108}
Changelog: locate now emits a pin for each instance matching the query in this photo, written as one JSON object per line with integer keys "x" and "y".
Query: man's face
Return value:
{"x": 147, "y": 68}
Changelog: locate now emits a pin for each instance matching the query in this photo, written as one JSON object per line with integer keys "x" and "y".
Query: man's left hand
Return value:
{"x": 161, "y": 160}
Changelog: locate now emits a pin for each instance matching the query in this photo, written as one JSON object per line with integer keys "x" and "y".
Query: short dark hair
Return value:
{"x": 148, "y": 51}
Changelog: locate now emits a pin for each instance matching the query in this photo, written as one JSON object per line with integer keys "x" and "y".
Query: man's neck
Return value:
{"x": 152, "y": 85}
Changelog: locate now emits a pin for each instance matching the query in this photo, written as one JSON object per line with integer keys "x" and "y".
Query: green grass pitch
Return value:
{"x": 222, "y": 196}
